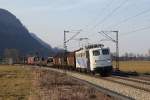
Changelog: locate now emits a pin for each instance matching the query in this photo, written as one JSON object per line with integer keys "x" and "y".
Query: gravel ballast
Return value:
{"x": 119, "y": 88}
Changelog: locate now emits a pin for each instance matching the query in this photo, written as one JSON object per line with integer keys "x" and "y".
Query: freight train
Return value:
{"x": 92, "y": 59}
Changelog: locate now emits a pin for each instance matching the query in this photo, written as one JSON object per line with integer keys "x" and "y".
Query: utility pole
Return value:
{"x": 117, "y": 50}
{"x": 66, "y": 41}
{"x": 80, "y": 40}
{"x": 65, "y": 47}
{"x": 115, "y": 41}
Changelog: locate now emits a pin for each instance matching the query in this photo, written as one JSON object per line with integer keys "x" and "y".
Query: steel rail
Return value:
{"x": 137, "y": 87}
{"x": 133, "y": 79}
{"x": 108, "y": 92}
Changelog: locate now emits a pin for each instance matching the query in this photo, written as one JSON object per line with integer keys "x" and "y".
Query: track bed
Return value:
{"x": 53, "y": 85}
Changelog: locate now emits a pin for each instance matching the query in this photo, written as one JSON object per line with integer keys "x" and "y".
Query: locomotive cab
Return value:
{"x": 100, "y": 60}
{"x": 50, "y": 61}
{"x": 94, "y": 58}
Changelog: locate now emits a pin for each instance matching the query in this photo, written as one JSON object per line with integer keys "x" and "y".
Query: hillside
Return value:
{"x": 14, "y": 35}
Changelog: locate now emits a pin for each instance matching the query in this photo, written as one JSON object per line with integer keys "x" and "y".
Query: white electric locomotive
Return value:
{"x": 94, "y": 58}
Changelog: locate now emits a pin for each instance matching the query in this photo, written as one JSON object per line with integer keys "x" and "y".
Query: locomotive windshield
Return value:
{"x": 96, "y": 53}
{"x": 105, "y": 51}
{"x": 50, "y": 60}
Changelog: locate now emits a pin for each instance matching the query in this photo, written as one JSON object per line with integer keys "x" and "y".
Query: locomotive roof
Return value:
{"x": 92, "y": 46}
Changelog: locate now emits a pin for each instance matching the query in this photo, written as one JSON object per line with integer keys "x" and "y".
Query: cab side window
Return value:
{"x": 96, "y": 53}
{"x": 105, "y": 51}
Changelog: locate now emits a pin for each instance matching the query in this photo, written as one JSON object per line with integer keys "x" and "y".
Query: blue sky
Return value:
{"x": 49, "y": 18}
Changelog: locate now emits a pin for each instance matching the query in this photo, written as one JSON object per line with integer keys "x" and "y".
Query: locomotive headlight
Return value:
{"x": 109, "y": 61}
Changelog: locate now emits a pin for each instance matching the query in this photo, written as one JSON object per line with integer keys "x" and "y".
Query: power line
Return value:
{"x": 95, "y": 19}
{"x": 111, "y": 13}
{"x": 116, "y": 41}
{"x": 140, "y": 29}
{"x": 131, "y": 17}
{"x": 79, "y": 31}
{"x": 107, "y": 5}
{"x": 106, "y": 35}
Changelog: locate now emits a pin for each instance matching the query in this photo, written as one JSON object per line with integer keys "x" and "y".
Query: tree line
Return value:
{"x": 133, "y": 56}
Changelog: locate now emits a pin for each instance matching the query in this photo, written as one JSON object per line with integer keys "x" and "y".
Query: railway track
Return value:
{"x": 108, "y": 92}
{"x": 145, "y": 78}
{"x": 130, "y": 82}
{"x": 135, "y": 79}
{"x": 115, "y": 87}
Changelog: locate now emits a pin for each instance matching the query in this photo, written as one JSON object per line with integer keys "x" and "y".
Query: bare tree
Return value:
{"x": 149, "y": 52}
{"x": 13, "y": 54}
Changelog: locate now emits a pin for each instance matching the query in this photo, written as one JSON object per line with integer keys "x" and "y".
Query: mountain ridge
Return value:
{"x": 14, "y": 35}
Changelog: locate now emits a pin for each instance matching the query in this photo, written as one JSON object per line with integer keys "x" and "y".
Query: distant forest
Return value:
{"x": 132, "y": 56}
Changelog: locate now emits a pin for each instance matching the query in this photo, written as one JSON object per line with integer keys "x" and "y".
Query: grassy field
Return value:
{"x": 138, "y": 66}
{"x": 15, "y": 83}
{"x": 59, "y": 86}
{"x": 25, "y": 83}
{"x": 33, "y": 83}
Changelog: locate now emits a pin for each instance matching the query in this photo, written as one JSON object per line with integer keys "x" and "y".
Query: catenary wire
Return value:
{"x": 110, "y": 14}
{"x": 131, "y": 17}
{"x": 103, "y": 9}
{"x": 137, "y": 30}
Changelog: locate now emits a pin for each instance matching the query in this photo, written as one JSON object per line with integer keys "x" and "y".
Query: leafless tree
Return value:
{"x": 13, "y": 54}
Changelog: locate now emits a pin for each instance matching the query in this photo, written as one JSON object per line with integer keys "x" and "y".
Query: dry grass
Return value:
{"x": 15, "y": 83}
{"x": 57, "y": 86}
{"x": 138, "y": 66}
{"x": 28, "y": 83}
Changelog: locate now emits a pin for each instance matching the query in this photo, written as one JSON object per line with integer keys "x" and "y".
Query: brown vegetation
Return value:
{"x": 137, "y": 66}
{"x": 15, "y": 83}
{"x": 57, "y": 86}
{"x": 28, "y": 83}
